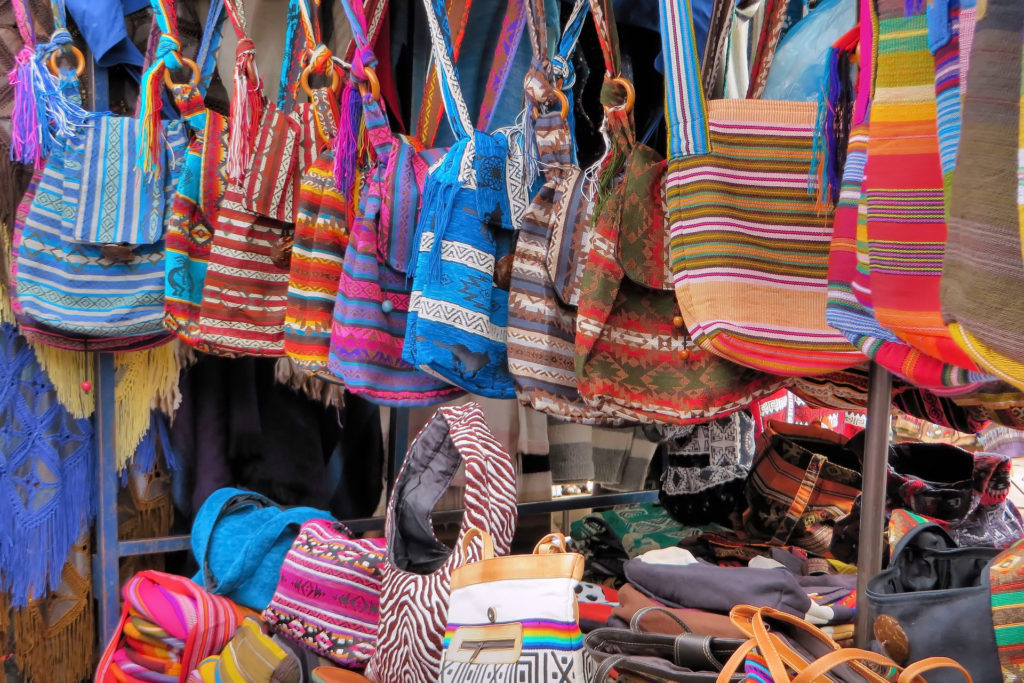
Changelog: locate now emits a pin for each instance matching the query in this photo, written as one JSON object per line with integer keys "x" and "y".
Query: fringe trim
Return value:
{"x": 298, "y": 379}
{"x": 67, "y": 370}
{"x": 63, "y": 654}
{"x": 145, "y": 380}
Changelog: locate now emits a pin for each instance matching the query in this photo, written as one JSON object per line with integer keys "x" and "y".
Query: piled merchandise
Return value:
{"x": 666, "y": 260}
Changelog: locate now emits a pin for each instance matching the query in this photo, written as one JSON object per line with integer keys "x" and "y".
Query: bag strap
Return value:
{"x": 817, "y": 670}
{"x": 634, "y": 622}
{"x": 686, "y": 107}
{"x": 771, "y": 33}
{"x": 247, "y": 100}
{"x": 550, "y": 544}
{"x": 801, "y": 499}
{"x": 457, "y": 14}
{"x": 487, "y": 542}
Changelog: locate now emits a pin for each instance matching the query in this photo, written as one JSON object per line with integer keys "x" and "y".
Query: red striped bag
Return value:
{"x": 750, "y": 241}
{"x": 246, "y": 287}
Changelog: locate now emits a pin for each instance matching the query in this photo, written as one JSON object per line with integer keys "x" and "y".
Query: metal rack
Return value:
{"x": 109, "y": 549}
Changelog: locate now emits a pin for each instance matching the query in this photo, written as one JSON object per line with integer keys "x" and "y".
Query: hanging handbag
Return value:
{"x": 633, "y": 355}
{"x": 804, "y": 478}
{"x": 750, "y": 263}
{"x": 473, "y": 200}
{"x": 929, "y": 584}
{"x": 246, "y": 286}
{"x": 417, "y": 574}
{"x": 552, "y": 242}
{"x": 194, "y": 210}
{"x": 515, "y": 617}
{"x": 372, "y": 302}
{"x": 240, "y": 539}
{"x": 850, "y": 307}
{"x": 338, "y": 618}
{"x": 91, "y": 257}
{"x": 983, "y": 266}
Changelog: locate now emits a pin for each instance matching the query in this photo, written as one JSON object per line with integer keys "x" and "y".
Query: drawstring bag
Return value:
{"x": 473, "y": 200}
{"x": 633, "y": 356}
{"x": 246, "y": 287}
{"x": 750, "y": 239}
{"x": 372, "y": 302}
{"x": 91, "y": 257}
{"x": 552, "y": 243}
{"x": 195, "y": 207}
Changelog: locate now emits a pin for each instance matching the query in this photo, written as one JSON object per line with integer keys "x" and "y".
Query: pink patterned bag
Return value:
{"x": 328, "y": 598}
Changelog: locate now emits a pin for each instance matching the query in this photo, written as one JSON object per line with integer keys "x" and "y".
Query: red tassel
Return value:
{"x": 247, "y": 105}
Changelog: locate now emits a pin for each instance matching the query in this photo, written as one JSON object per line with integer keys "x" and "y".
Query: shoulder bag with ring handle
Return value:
{"x": 634, "y": 356}
{"x": 246, "y": 287}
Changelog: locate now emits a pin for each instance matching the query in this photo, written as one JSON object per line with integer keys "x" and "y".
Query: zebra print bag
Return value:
{"x": 418, "y": 568}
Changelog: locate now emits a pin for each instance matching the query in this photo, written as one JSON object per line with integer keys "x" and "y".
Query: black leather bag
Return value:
{"x": 638, "y": 656}
{"x": 935, "y": 600}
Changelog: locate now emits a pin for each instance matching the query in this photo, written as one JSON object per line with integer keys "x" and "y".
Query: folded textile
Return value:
{"x": 701, "y": 585}
{"x": 698, "y": 621}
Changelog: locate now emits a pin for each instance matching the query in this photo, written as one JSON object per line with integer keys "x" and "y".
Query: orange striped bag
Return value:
{"x": 750, "y": 240}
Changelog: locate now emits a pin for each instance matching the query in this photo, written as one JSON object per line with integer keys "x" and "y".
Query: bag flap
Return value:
{"x": 403, "y": 191}
{"x": 572, "y": 214}
{"x": 643, "y": 249}
{"x": 107, "y": 198}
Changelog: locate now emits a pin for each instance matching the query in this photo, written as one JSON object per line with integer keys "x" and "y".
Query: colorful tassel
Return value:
{"x": 345, "y": 142}
{"x": 247, "y": 105}
{"x": 168, "y": 49}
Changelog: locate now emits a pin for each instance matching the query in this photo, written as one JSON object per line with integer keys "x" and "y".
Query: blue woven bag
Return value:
{"x": 473, "y": 199}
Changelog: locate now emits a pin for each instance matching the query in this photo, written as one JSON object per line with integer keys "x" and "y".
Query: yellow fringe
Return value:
{"x": 67, "y": 370}
{"x": 145, "y": 380}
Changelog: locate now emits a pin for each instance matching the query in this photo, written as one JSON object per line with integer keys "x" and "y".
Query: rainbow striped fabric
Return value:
{"x": 904, "y": 188}
{"x": 1006, "y": 578}
{"x": 538, "y": 634}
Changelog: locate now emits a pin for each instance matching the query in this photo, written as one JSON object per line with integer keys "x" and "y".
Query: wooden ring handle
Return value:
{"x": 372, "y": 83}
{"x": 304, "y": 81}
{"x": 79, "y": 58}
{"x": 193, "y": 81}
{"x": 627, "y": 107}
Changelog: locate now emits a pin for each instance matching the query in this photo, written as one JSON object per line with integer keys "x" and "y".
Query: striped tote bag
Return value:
{"x": 849, "y": 308}
{"x": 983, "y": 270}
{"x": 418, "y": 568}
{"x": 321, "y": 236}
{"x": 91, "y": 257}
{"x": 750, "y": 241}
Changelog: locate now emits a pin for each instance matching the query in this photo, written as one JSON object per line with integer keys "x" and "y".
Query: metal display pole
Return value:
{"x": 872, "y": 510}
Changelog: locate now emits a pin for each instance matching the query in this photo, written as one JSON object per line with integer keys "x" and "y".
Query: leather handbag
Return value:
{"x": 749, "y": 238}
{"x": 473, "y": 201}
{"x": 246, "y": 287}
{"x": 339, "y": 618}
{"x": 91, "y": 254}
{"x": 639, "y": 656}
{"x": 372, "y": 302}
{"x": 515, "y": 617}
{"x": 786, "y": 649}
{"x": 417, "y": 574}
{"x": 240, "y": 538}
{"x": 552, "y": 242}
{"x": 929, "y": 584}
{"x": 803, "y": 479}
{"x": 194, "y": 209}
{"x": 633, "y": 355}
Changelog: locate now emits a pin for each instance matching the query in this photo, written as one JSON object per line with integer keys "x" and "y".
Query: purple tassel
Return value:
{"x": 29, "y": 112}
{"x": 345, "y": 143}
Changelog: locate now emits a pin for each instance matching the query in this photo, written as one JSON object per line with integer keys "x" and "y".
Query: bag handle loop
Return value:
{"x": 485, "y": 538}
{"x": 634, "y": 622}
{"x": 551, "y": 544}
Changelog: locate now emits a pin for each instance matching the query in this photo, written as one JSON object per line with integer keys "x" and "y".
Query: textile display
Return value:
{"x": 418, "y": 568}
